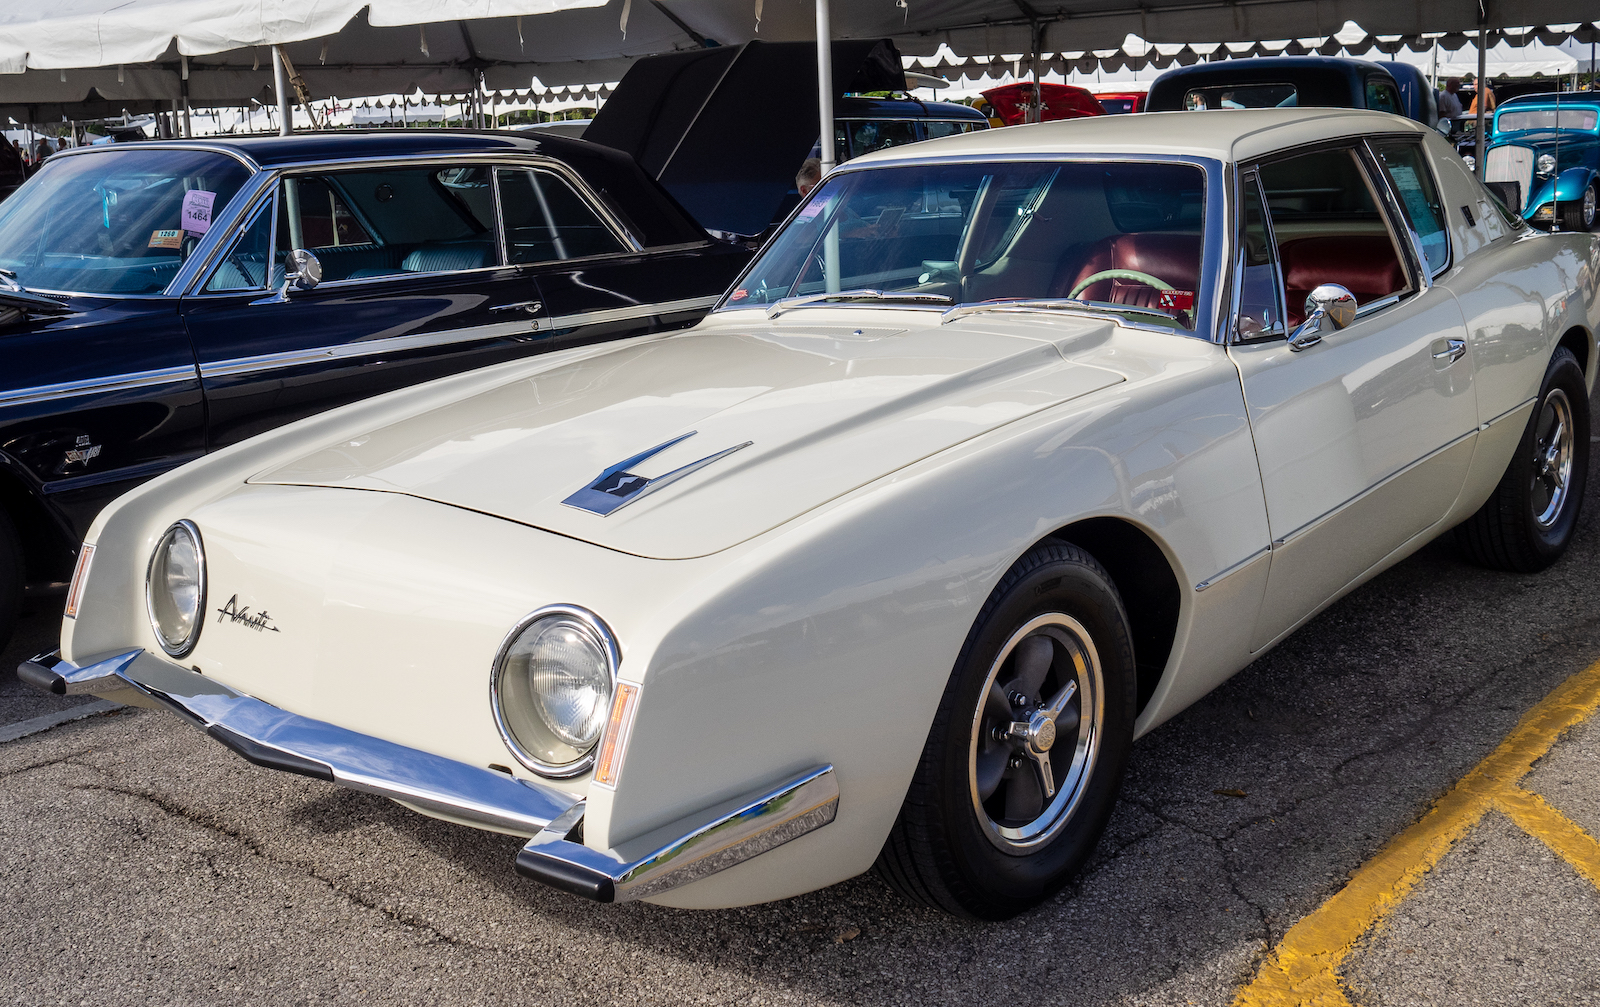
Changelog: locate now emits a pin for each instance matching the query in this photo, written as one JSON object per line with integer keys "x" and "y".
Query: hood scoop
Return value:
{"x": 617, "y": 488}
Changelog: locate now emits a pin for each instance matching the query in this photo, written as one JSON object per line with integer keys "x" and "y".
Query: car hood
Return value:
{"x": 809, "y": 412}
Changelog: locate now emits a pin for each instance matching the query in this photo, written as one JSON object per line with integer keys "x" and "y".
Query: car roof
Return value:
{"x": 852, "y": 106}
{"x": 1551, "y": 98}
{"x": 341, "y": 144}
{"x": 1225, "y": 134}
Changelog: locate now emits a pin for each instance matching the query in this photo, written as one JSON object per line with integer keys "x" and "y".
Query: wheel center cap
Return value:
{"x": 1041, "y": 733}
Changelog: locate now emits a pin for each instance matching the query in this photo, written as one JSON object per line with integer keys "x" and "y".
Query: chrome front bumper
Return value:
{"x": 688, "y": 850}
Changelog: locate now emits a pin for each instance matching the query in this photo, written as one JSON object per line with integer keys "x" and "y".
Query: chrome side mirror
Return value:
{"x": 1328, "y": 304}
{"x": 301, "y": 270}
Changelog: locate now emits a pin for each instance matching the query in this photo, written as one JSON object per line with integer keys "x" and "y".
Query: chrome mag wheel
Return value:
{"x": 1036, "y": 733}
{"x": 1552, "y": 455}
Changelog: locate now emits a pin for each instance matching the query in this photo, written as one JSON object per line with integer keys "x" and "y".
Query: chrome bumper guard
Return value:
{"x": 266, "y": 735}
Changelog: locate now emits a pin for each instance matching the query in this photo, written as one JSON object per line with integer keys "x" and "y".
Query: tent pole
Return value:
{"x": 1482, "y": 100}
{"x": 280, "y": 84}
{"x": 825, "y": 86}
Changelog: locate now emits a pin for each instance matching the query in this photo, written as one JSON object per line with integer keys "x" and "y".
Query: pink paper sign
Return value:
{"x": 197, "y": 210}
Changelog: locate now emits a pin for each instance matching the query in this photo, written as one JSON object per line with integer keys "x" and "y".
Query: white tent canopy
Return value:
{"x": 62, "y": 54}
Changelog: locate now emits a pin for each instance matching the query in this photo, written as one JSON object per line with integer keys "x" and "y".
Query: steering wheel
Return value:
{"x": 1119, "y": 274}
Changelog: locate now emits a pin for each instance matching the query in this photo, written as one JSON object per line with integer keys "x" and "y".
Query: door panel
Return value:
{"x": 1364, "y": 438}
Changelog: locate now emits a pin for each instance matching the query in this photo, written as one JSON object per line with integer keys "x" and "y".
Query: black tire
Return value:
{"x": 1579, "y": 214}
{"x": 11, "y": 572}
{"x": 946, "y": 848}
{"x": 1522, "y": 528}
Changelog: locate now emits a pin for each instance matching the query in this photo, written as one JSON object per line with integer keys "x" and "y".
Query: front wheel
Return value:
{"x": 1021, "y": 768}
{"x": 1579, "y": 214}
{"x": 1529, "y": 521}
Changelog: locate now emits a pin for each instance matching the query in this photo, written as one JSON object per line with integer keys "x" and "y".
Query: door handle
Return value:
{"x": 531, "y": 307}
{"x": 1448, "y": 351}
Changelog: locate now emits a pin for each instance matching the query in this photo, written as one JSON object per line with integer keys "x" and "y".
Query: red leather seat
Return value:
{"x": 1173, "y": 258}
{"x": 1364, "y": 264}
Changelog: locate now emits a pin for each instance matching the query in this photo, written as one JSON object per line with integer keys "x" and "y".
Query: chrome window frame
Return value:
{"x": 245, "y": 219}
{"x": 186, "y": 283}
{"x": 1400, "y": 232}
{"x": 1248, "y": 176}
{"x": 631, "y": 246}
{"x": 1211, "y": 307}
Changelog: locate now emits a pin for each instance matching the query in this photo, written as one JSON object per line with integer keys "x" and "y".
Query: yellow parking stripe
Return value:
{"x": 1555, "y": 830}
{"x": 1302, "y": 970}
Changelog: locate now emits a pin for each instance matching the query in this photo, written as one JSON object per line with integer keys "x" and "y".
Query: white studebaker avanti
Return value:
{"x": 1007, "y": 448}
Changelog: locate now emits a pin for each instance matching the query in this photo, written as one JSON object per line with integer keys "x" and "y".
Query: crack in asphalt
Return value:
{"x": 46, "y": 764}
{"x": 257, "y": 848}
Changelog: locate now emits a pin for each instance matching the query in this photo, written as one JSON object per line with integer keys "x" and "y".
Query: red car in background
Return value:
{"x": 1059, "y": 101}
{"x": 1122, "y": 102}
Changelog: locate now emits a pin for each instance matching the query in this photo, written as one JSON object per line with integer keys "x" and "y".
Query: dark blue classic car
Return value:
{"x": 1547, "y": 148}
{"x": 162, "y": 300}
{"x": 1289, "y": 81}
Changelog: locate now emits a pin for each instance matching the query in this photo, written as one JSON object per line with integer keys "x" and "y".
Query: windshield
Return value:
{"x": 1118, "y": 233}
{"x": 117, "y": 222}
{"x": 1546, "y": 118}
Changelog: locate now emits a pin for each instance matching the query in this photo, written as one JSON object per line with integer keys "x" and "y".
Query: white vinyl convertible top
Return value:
{"x": 1224, "y": 134}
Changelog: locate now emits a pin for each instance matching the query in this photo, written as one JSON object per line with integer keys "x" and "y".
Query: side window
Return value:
{"x": 1413, "y": 183}
{"x": 546, "y": 221}
{"x": 1241, "y": 96}
{"x": 872, "y": 134}
{"x": 944, "y": 127}
{"x": 1260, "y": 299}
{"x": 389, "y": 221}
{"x": 1328, "y": 228}
{"x": 1382, "y": 96}
{"x": 245, "y": 265}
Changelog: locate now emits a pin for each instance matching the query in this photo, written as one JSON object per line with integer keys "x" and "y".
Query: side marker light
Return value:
{"x": 614, "y": 745}
{"x": 80, "y": 577}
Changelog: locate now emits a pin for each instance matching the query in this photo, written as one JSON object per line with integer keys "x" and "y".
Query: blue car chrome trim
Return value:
{"x": 616, "y": 487}
{"x": 685, "y": 851}
{"x": 275, "y": 738}
{"x": 97, "y": 386}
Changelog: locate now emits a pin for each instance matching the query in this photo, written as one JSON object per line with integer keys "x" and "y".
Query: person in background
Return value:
{"x": 1486, "y": 95}
{"x": 810, "y": 174}
{"x": 43, "y": 150}
{"x": 1450, "y": 100}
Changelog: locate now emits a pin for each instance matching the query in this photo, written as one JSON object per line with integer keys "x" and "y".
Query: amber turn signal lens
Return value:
{"x": 80, "y": 577}
{"x": 614, "y": 745}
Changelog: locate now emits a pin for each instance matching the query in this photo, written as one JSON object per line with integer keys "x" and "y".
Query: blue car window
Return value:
{"x": 244, "y": 266}
{"x": 1547, "y": 118}
{"x": 114, "y": 222}
{"x": 1413, "y": 183}
{"x": 1382, "y": 96}
{"x": 946, "y": 127}
{"x": 546, "y": 221}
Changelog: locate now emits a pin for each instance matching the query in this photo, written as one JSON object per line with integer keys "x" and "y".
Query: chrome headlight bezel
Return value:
{"x": 1545, "y": 165}
{"x": 600, "y": 634}
{"x": 183, "y": 647}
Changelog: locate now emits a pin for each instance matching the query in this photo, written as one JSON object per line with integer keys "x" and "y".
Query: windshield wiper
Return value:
{"x": 19, "y": 298}
{"x": 1052, "y": 304}
{"x": 778, "y": 307}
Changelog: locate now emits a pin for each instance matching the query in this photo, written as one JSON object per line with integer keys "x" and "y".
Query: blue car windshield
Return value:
{"x": 1120, "y": 233}
{"x": 1548, "y": 118}
{"x": 114, "y": 222}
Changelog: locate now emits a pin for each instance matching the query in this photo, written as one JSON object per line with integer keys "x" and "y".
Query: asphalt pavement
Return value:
{"x": 141, "y": 862}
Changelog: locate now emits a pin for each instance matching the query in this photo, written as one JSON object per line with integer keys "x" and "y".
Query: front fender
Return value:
{"x": 1569, "y": 185}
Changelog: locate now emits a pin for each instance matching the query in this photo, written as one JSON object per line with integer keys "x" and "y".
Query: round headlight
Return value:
{"x": 175, "y": 588}
{"x": 551, "y": 689}
{"x": 1545, "y": 164}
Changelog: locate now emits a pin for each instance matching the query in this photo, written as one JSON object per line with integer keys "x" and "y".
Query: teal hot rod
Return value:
{"x": 1549, "y": 146}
